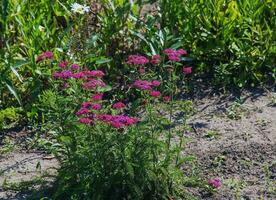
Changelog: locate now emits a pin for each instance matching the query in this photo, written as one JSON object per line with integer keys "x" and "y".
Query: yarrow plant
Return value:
{"x": 108, "y": 152}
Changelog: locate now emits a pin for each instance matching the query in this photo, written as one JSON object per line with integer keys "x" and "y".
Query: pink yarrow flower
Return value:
{"x": 82, "y": 111}
{"x": 187, "y": 70}
{"x": 142, "y": 71}
{"x": 93, "y": 83}
{"x": 215, "y": 183}
{"x": 137, "y": 60}
{"x": 155, "y": 94}
{"x": 118, "y": 105}
{"x": 96, "y": 106}
{"x": 86, "y": 104}
{"x": 85, "y": 120}
{"x": 166, "y": 99}
{"x": 94, "y": 73}
{"x": 142, "y": 85}
{"x": 78, "y": 75}
{"x": 97, "y": 97}
{"x": 155, "y": 83}
{"x": 105, "y": 117}
{"x": 45, "y": 55}
{"x": 175, "y": 55}
{"x": 75, "y": 67}
{"x": 63, "y": 64}
{"x": 156, "y": 59}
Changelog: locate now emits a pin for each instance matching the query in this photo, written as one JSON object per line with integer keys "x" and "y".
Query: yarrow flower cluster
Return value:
{"x": 156, "y": 59}
{"x": 91, "y": 78}
{"x": 187, "y": 70}
{"x": 175, "y": 55}
{"x": 118, "y": 105}
{"x": 137, "y": 60}
{"x": 116, "y": 121}
{"x": 215, "y": 183}
{"x": 44, "y": 56}
{"x": 78, "y": 8}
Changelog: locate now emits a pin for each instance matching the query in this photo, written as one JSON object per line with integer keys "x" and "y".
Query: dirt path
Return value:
{"x": 236, "y": 141}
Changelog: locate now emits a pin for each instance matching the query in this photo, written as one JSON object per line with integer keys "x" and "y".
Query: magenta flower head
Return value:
{"x": 96, "y": 106}
{"x": 182, "y": 52}
{"x": 86, "y": 104}
{"x": 175, "y": 55}
{"x": 78, "y": 75}
{"x": 187, "y": 70}
{"x": 93, "y": 84}
{"x": 56, "y": 75}
{"x": 97, "y": 97}
{"x": 119, "y": 105}
{"x": 94, "y": 73}
{"x": 137, "y": 60}
{"x": 82, "y": 111}
{"x": 63, "y": 64}
{"x": 142, "y": 70}
{"x": 85, "y": 120}
{"x": 142, "y": 85}
{"x": 215, "y": 183}
{"x": 156, "y": 59}
{"x": 166, "y": 99}
{"x": 155, "y": 94}
{"x": 155, "y": 83}
{"x": 75, "y": 67}
{"x": 45, "y": 55}
{"x": 65, "y": 74}
{"x": 105, "y": 117}
{"x": 116, "y": 124}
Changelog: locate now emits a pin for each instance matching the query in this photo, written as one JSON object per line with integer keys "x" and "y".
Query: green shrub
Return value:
{"x": 233, "y": 41}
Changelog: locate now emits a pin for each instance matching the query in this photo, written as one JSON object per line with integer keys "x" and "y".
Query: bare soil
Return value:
{"x": 235, "y": 140}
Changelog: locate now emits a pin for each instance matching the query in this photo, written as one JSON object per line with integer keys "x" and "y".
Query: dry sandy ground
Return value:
{"x": 236, "y": 141}
{"x": 233, "y": 140}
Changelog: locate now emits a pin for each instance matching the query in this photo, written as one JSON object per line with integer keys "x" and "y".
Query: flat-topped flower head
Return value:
{"x": 97, "y": 97}
{"x": 142, "y": 85}
{"x": 85, "y": 120}
{"x": 93, "y": 84}
{"x": 137, "y": 60}
{"x": 118, "y": 105}
{"x": 155, "y": 94}
{"x": 166, "y": 99}
{"x": 63, "y": 64}
{"x": 94, "y": 73}
{"x": 66, "y": 74}
{"x": 82, "y": 111}
{"x": 187, "y": 70}
{"x": 78, "y": 75}
{"x": 155, "y": 83}
{"x": 75, "y": 67}
{"x": 156, "y": 59}
{"x": 86, "y": 104}
{"x": 105, "y": 117}
{"x": 175, "y": 55}
{"x": 45, "y": 55}
{"x": 142, "y": 71}
{"x": 96, "y": 106}
{"x": 215, "y": 183}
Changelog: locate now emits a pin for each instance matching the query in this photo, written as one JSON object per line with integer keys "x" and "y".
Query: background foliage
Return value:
{"x": 233, "y": 41}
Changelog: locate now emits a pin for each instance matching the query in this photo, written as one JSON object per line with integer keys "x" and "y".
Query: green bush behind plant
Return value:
{"x": 234, "y": 41}
{"x": 27, "y": 28}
